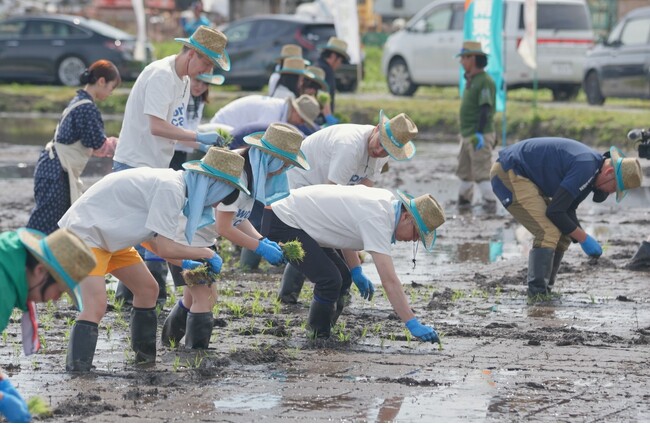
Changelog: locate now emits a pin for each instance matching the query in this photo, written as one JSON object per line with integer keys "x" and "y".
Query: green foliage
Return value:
{"x": 293, "y": 250}
{"x": 37, "y": 406}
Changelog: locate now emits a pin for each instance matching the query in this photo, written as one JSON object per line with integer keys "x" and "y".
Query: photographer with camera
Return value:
{"x": 641, "y": 259}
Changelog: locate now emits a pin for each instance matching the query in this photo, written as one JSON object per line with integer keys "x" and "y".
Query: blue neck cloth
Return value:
{"x": 202, "y": 193}
{"x": 397, "y": 207}
{"x": 267, "y": 190}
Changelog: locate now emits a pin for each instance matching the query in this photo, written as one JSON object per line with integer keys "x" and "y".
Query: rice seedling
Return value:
{"x": 293, "y": 251}
{"x": 37, "y": 407}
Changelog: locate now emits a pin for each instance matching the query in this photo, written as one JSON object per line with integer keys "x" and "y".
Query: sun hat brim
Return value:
{"x": 292, "y": 71}
{"x": 196, "y": 166}
{"x": 465, "y": 52}
{"x": 223, "y": 60}
{"x": 428, "y": 239}
{"x": 406, "y": 152}
{"x": 308, "y": 121}
{"x": 31, "y": 239}
{"x": 211, "y": 79}
{"x": 255, "y": 140}
{"x": 323, "y": 84}
{"x": 336, "y": 50}
{"x": 616, "y": 155}
{"x": 281, "y": 58}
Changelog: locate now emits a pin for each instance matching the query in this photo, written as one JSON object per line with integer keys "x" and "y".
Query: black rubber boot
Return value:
{"x": 124, "y": 294}
{"x": 81, "y": 346}
{"x": 143, "y": 334}
{"x": 198, "y": 330}
{"x": 641, "y": 259}
{"x": 319, "y": 322}
{"x": 174, "y": 326}
{"x": 557, "y": 260}
{"x": 340, "y": 305}
{"x": 249, "y": 260}
{"x": 291, "y": 285}
{"x": 540, "y": 263}
{"x": 159, "y": 271}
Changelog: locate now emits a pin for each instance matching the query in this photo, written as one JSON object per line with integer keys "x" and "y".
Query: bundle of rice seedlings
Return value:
{"x": 293, "y": 251}
{"x": 37, "y": 407}
{"x": 323, "y": 98}
{"x": 199, "y": 276}
{"x": 226, "y": 136}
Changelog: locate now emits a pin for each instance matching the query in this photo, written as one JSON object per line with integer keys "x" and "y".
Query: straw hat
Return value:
{"x": 337, "y": 46}
{"x": 291, "y": 50}
{"x": 293, "y": 65}
{"x": 210, "y": 43}
{"x": 282, "y": 141}
{"x": 66, "y": 257}
{"x": 471, "y": 48}
{"x": 395, "y": 135}
{"x": 214, "y": 79}
{"x": 317, "y": 74}
{"x": 221, "y": 164}
{"x": 427, "y": 214}
{"x": 627, "y": 171}
{"x": 307, "y": 107}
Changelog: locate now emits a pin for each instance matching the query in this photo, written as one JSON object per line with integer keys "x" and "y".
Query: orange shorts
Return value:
{"x": 110, "y": 261}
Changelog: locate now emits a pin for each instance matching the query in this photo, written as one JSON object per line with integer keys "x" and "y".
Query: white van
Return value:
{"x": 424, "y": 51}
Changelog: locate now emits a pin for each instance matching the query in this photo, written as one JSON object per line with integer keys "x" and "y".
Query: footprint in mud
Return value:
{"x": 264, "y": 355}
{"x": 408, "y": 381}
{"x": 83, "y": 405}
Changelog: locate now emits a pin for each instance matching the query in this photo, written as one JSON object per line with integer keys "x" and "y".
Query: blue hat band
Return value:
{"x": 54, "y": 263}
{"x": 218, "y": 173}
{"x": 390, "y": 135}
{"x": 619, "y": 174}
{"x": 280, "y": 152}
{"x": 207, "y": 52}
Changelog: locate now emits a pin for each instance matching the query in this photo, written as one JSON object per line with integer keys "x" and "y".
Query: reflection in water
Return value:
{"x": 249, "y": 401}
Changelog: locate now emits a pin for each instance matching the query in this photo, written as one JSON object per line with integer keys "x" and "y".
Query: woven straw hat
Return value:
{"x": 627, "y": 171}
{"x": 337, "y": 46}
{"x": 317, "y": 74}
{"x": 66, "y": 257}
{"x": 293, "y": 65}
{"x": 213, "y": 79}
{"x": 291, "y": 50}
{"x": 427, "y": 214}
{"x": 471, "y": 48}
{"x": 307, "y": 107}
{"x": 395, "y": 135}
{"x": 282, "y": 141}
{"x": 221, "y": 164}
{"x": 210, "y": 43}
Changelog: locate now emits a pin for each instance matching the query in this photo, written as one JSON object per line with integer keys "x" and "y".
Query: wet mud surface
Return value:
{"x": 581, "y": 356}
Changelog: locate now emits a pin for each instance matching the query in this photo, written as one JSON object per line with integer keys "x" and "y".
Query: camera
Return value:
{"x": 643, "y": 137}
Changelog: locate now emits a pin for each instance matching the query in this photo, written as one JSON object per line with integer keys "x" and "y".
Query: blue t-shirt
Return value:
{"x": 553, "y": 162}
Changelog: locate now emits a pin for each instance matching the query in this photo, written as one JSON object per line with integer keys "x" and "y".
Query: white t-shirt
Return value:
{"x": 339, "y": 154}
{"x": 249, "y": 109}
{"x": 342, "y": 217}
{"x": 282, "y": 92}
{"x": 242, "y": 207}
{"x": 158, "y": 92}
{"x": 126, "y": 208}
{"x": 192, "y": 122}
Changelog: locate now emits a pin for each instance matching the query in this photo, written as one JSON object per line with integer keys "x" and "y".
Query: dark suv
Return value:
{"x": 255, "y": 42}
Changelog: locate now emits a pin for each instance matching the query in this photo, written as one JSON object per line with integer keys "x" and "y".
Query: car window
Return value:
{"x": 559, "y": 17}
{"x": 11, "y": 29}
{"x": 458, "y": 17}
{"x": 268, "y": 28}
{"x": 44, "y": 29}
{"x": 635, "y": 32}
{"x": 318, "y": 34}
{"x": 438, "y": 20}
{"x": 240, "y": 32}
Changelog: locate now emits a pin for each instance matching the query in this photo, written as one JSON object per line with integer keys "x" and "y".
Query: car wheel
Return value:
{"x": 592, "y": 89}
{"x": 69, "y": 71}
{"x": 565, "y": 93}
{"x": 399, "y": 79}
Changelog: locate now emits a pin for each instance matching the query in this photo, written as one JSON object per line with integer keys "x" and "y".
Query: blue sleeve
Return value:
{"x": 86, "y": 125}
{"x": 579, "y": 177}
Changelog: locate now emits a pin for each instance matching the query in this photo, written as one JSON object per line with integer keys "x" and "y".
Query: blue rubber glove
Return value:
{"x": 215, "y": 263}
{"x": 422, "y": 332}
{"x": 211, "y": 138}
{"x": 480, "y": 141}
{"x": 331, "y": 120}
{"x": 204, "y": 147}
{"x": 271, "y": 242}
{"x": 362, "y": 282}
{"x": 591, "y": 247}
{"x": 12, "y": 405}
{"x": 190, "y": 264}
{"x": 272, "y": 254}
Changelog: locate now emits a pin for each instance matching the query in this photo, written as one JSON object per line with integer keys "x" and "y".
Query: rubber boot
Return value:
{"x": 174, "y": 325}
{"x": 489, "y": 203}
{"x": 465, "y": 195}
{"x": 159, "y": 271}
{"x": 319, "y": 322}
{"x": 81, "y": 346}
{"x": 249, "y": 260}
{"x": 143, "y": 334}
{"x": 641, "y": 259}
{"x": 124, "y": 294}
{"x": 540, "y": 264}
{"x": 557, "y": 260}
{"x": 198, "y": 330}
{"x": 341, "y": 303}
{"x": 291, "y": 285}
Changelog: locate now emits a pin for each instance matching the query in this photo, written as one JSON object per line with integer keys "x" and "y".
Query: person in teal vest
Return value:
{"x": 36, "y": 268}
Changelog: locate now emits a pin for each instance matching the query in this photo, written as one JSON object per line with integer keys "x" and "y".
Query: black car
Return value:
{"x": 57, "y": 48}
{"x": 255, "y": 42}
{"x": 620, "y": 65}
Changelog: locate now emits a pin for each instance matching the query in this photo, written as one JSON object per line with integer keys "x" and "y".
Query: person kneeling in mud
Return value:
{"x": 326, "y": 217}
{"x": 145, "y": 207}
{"x": 541, "y": 182}
{"x": 270, "y": 154}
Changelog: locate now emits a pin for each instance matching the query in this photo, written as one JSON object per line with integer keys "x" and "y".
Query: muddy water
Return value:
{"x": 581, "y": 357}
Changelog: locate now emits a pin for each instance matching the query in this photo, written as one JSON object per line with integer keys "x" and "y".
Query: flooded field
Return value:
{"x": 582, "y": 357}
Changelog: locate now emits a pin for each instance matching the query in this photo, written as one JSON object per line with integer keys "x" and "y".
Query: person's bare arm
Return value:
{"x": 351, "y": 258}
{"x": 174, "y": 252}
{"x": 162, "y": 128}
{"x": 392, "y": 285}
{"x": 235, "y": 234}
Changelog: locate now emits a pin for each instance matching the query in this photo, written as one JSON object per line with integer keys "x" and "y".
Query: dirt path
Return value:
{"x": 582, "y": 357}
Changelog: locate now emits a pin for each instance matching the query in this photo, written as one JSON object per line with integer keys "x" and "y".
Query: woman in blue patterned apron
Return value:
{"x": 78, "y": 136}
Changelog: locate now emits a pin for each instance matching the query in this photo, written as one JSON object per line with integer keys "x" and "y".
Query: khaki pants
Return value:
{"x": 474, "y": 165}
{"x": 526, "y": 203}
